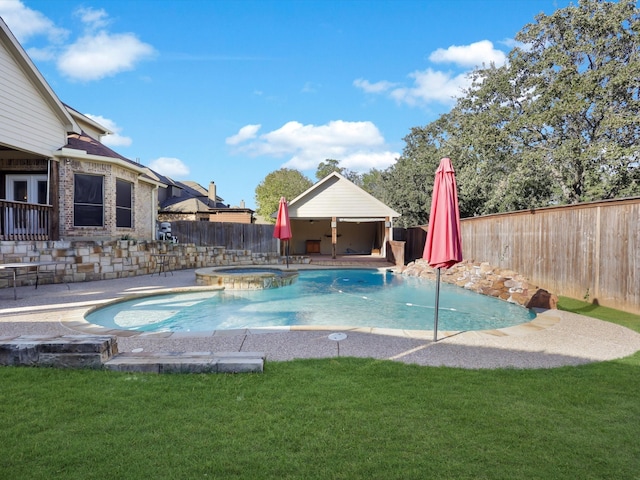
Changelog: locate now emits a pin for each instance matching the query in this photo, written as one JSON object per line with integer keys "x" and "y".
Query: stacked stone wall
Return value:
{"x": 79, "y": 261}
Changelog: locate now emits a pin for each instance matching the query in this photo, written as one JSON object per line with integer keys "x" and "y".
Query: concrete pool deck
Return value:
{"x": 553, "y": 339}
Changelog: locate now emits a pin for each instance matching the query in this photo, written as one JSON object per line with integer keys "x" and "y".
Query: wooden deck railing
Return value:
{"x": 25, "y": 221}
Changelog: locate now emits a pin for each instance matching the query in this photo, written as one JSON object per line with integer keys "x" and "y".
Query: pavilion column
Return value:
{"x": 54, "y": 199}
{"x": 334, "y": 236}
{"x": 387, "y": 235}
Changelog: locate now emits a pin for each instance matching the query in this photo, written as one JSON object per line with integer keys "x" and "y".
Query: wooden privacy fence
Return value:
{"x": 414, "y": 239}
{"x": 234, "y": 236}
{"x": 588, "y": 251}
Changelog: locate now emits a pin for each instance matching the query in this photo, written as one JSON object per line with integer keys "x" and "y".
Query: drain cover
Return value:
{"x": 337, "y": 336}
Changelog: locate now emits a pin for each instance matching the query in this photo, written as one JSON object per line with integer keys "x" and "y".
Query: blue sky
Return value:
{"x": 231, "y": 90}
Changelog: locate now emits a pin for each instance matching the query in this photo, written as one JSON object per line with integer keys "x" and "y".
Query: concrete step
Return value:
{"x": 187, "y": 362}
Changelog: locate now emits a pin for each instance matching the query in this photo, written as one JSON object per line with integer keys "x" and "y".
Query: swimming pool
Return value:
{"x": 338, "y": 297}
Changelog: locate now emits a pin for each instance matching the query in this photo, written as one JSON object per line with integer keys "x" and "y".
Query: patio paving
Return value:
{"x": 553, "y": 339}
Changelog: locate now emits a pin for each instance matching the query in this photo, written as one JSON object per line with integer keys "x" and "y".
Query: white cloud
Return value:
{"x": 437, "y": 86}
{"x": 368, "y": 87}
{"x": 114, "y": 139}
{"x": 94, "y": 57}
{"x": 357, "y": 145}
{"x": 364, "y": 161}
{"x": 431, "y": 86}
{"x": 245, "y": 133}
{"x": 511, "y": 43}
{"x": 92, "y": 18}
{"x": 310, "y": 87}
{"x": 43, "y": 54}
{"x": 26, "y": 23}
{"x": 170, "y": 167}
{"x": 96, "y": 54}
{"x": 473, "y": 55}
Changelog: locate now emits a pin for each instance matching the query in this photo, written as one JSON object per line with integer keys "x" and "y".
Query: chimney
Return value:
{"x": 212, "y": 192}
{"x": 241, "y": 203}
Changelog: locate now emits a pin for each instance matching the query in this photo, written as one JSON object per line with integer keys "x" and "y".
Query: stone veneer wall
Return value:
{"x": 487, "y": 280}
{"x": 79, "y": 261}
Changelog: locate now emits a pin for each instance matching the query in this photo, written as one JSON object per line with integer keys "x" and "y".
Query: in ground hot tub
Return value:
{"x": 246, "y": 278}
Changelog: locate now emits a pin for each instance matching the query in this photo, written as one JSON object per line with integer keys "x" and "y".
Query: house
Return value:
{"x": 189, "y": 200}
{"x": 336, "y": 217}
{"x": 57, "y": 181}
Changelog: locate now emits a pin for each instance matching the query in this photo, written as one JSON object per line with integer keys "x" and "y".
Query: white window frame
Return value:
{"x": 32, "y": 186}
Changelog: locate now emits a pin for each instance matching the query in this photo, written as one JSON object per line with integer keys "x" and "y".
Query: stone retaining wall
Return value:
{"x": 79, "y": 261}
{"x": 487, "y": 280}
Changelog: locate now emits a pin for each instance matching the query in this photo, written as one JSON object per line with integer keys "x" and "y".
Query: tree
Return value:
{"x": 328, "y": 166}
{"x": 373, "y": 183}
{"x": 483, "y": 133}
{"x": 579, "y": 76}
{"x": 409, "y": 182}
{"x": 558, "y": 123}
{"x": 286, "y": 183}
{"x": 352, "y": 176}
{"x": 331, "y": 165}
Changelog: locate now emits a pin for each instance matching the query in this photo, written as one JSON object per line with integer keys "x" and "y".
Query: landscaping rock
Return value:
{"x": 543, "y": 299}
{"x": 487, "y": 280}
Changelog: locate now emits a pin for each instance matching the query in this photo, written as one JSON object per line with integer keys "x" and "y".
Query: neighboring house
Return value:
{"x": 189, "y": 200}
{"x": 337, "y": 217}
{"x": 57, "y": 181}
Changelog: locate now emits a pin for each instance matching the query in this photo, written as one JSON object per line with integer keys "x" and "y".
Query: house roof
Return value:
{"x": 158, "y": 177}
{"x": 84, "y": 146}
{"x": 184, "y": 205}
{"x": 92, "y": 146}
{"x": 199, "y": 188}
{"x": 83, "y": 119}
{"x": 335, "y": 196}
{"x": 194, "y": 198}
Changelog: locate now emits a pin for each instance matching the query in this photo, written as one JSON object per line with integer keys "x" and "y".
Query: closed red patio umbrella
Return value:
{"x": 443, "y": 247}
{"x": 282, "y": 229}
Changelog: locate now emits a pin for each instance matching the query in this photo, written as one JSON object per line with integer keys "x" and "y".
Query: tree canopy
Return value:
{"x": 328, "y": 166}
{"x": 286, "y": 182}
{"x": 331, "y": 165}
{"x": 559, "y": 123}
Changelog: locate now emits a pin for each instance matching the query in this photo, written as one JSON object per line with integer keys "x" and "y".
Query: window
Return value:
{"x": 42, "y": 192}
{"x": 123, "y": 204}
{"x": 88, "y": 200}
{"x": 27, "y": 188}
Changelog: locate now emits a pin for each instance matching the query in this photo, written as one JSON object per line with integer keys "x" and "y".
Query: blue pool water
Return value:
{"x": 354, "y": 298}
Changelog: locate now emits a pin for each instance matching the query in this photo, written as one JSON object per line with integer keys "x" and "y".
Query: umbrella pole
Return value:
{"x": 435, "y": 318}
{"x": 286, "y": 250}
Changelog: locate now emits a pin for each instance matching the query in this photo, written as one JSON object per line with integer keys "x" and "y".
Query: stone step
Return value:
{"x": 101, "y": 351}
{"x": 67, "y": 351}
{"x": 187, "y": 362}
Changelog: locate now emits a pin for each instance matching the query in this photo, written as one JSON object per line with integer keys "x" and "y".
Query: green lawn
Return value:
{"x": 326, "y": 419}
{"x": 625, "y": 319}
